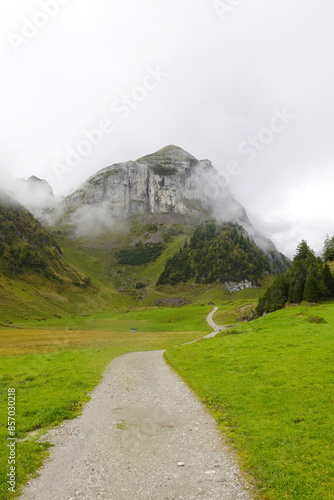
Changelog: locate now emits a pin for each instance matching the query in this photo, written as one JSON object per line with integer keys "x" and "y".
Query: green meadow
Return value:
{"x": 54, "y": 364}
{"x": 268, "y": 382}
{"x": 148, "y": 319}
{"x": 270, "y": 385}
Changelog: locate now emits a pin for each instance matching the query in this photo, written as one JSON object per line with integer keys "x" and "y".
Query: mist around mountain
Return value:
{"x": 106, "y": 244}
{"x": 26, "y": 246}
{"x": 34, "y": 194}
{"x": 169, "y": 181}
{"x": 36, "y": 280}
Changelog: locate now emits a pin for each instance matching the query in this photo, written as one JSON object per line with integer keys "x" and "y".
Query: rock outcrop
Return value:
{"x": 170, "y": 181}
{"x": 35, "y": 194}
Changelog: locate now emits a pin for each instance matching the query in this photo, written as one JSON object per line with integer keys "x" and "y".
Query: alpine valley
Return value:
{"x": 150, "y": 255}
{"x": 162, "y": 227}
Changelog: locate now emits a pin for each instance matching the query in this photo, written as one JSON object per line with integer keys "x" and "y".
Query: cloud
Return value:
{"x": 93, "y": 220}
{"x": 34, "y": 194}
{"x": 225, "y": 79}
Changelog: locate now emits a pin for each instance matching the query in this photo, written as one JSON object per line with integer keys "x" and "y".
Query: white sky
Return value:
{"x": 227, "y": 73}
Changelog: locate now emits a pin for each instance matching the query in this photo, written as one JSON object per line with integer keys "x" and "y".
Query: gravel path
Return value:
{"x": 210, "y": 322}
{"x": 143, "y": 435}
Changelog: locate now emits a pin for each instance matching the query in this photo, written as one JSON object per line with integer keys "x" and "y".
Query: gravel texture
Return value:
{"x": 143, "y": 435}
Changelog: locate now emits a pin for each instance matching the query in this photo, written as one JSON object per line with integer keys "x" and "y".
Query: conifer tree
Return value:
{"x": 312, "y": 289}
{"x": 303, "y": 251}
{"x": 328, "y": 280}
{"x": 328, "y": 253}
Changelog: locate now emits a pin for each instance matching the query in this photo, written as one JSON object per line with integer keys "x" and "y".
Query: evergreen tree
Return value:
{"x": 303, "y": 251}
{"x": 296, "y": 287}
{"x": 216, "y": 253}
{"x": 328, "y": 253}
{"x": 312, "y": 289}
{"x": 308, "y": 279}
{"x": 328, "y": 280}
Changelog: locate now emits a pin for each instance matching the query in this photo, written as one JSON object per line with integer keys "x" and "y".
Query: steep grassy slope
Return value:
{"x": 36, "y": 280}
{"x": 107, "y": 260}
{"x": 26, "y": 247}
{"x": 128, "y": 256}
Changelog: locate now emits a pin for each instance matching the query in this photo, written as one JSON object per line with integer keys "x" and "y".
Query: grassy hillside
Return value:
{"x": 107, "y": 246}
{"x": 36, "y": 279}
{"x": 30, "y": 297}
{"x": 96, "y": 256}
{"x": 269, "y": 384}
{"x": 26, "y": 247}
{"x": 80, "y": 274}
{"x": 62, "y": 273}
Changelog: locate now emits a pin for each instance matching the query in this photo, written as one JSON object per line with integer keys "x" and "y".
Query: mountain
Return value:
{"x": 35, "y": 194}
{"x": 109, "y": 241}
{"x": 39, "y": 186}
{"x": 166, "y": 183}
{"x": 35, "y": 278}
{"x": 26, "y": 246}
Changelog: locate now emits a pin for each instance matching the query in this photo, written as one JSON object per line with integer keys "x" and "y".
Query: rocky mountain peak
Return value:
{"x": 169, "y": 182}
{"x": 37, "y": 184}
{"x": 35, "y": 194}
{"x": 168, "y": 155}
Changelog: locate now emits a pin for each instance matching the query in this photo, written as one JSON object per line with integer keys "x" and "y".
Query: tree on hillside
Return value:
{"x": 303, "y": 261}
{"x": 303, "y": 251}
{"x": 313, "y": 291}
{"x": 296, "y": 287}
{"x": 328, "y": 252}
{"x": 275, "y": 297}
{"x": 216, "y": 253}
{"x": 328, "y": 280}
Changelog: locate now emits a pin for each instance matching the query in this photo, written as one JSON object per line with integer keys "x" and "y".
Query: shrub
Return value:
{"x": 140, "y": 254}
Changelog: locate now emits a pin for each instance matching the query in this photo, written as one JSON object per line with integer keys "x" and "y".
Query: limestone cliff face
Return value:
{"x": 170, "y": 181}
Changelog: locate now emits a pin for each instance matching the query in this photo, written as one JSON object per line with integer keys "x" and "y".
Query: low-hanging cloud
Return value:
{"x": 93, "y": 220}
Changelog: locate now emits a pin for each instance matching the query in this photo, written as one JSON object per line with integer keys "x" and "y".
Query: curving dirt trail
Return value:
{"x": 210, "y": 322}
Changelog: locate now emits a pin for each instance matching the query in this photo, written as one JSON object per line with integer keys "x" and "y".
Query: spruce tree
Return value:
{"x": 328, "y": 253}
{"x": 312, "y": 289}
{"x": 328, "y": 280}
{"x": 303, "y": 251}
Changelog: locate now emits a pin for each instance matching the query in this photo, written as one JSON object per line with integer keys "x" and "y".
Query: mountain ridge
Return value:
{"x": 168, "y": 181}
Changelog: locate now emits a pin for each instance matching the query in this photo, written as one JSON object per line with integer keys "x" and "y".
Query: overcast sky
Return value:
{"x": 248, "y": 84}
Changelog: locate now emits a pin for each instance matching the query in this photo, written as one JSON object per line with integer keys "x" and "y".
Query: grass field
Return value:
{"x": 148, "y": 319}
{"x": 54, "y": 364}
{"x": 270, "y": 385}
